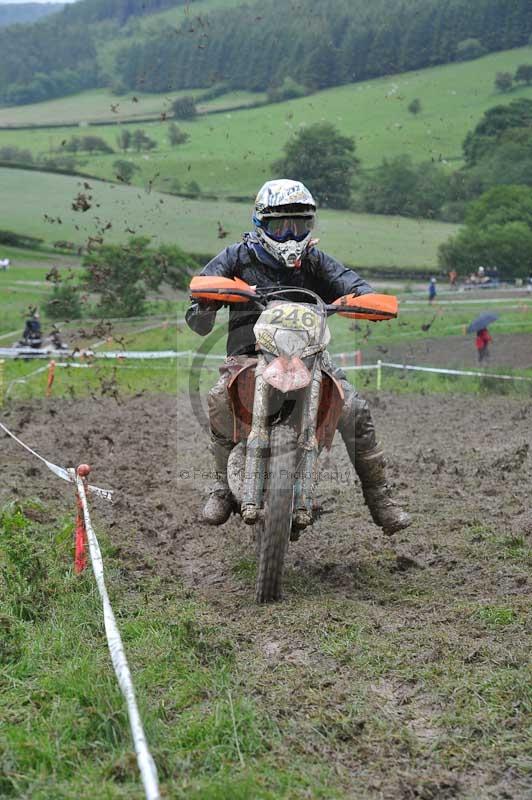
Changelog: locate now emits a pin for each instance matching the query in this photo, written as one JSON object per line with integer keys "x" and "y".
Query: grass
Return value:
{"x": 66, "y": 735}
{"x": 96, "y": 106}
{"x": 401, "y": 680}
{"x": 231, "y": 154}
{"x": 361, "y": 239}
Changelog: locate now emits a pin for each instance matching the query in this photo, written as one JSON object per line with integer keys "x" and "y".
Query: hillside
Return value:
{"x": 64, "y": 48}
{"x": 41, "y": 205}
{"x": 17, "y": 13}
{"x": 231, "y": 153}
{"x": 252, "y": 47}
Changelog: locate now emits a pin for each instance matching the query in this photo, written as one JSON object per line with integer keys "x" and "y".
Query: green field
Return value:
{"x": 357, "y": 239}
{"x": 231, "y": 153}
{"x": 101, "y": 105}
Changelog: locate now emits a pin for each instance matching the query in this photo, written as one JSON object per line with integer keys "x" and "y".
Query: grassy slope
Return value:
{"x": 358, "y": 239}
{"x": 94, "y": 106}
{"x": 231, "y": 153}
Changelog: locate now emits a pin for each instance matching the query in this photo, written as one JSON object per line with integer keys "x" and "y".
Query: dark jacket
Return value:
{"x": 249, "y": 261}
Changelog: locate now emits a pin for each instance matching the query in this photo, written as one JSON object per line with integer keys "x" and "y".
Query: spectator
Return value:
{"x": 482, "y": 341}
{"x": 432, "y": 290}
{"x": 4, "y": 264}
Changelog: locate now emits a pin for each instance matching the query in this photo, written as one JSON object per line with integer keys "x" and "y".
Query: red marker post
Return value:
{"x": 80, "y": 540}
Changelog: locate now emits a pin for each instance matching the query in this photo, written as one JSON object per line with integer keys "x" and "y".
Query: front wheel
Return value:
{"x": 273, "y": 531}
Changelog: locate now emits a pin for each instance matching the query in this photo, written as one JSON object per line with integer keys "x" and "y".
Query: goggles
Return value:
{"x": 281, "y": 229}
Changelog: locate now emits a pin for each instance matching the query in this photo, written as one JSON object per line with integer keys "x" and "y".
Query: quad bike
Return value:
{"x": 33, "y": 339}
{"x": 286, "y": 405}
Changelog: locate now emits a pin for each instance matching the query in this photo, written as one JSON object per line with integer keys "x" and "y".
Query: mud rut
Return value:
{"x": 457, "y": 462}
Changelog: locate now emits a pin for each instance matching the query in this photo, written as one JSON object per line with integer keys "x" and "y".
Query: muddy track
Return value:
{"x": 461, "y": 464}
{"x": 507, "y": 351}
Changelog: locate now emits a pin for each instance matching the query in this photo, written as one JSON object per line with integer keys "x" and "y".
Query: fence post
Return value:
{"x": 379, "y": 375}
{"x": 2, "y": 362}
{"x": 80, "y": 538}
{"x": 51, "y": 375}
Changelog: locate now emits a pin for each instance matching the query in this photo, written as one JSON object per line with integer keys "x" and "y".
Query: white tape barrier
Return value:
{"x": 66, "y": 474}
{"x": 147, "y": 768}
{"x": 25, "y": 378}
{"x": 455, "y": 372}
{"x": 441, "y": 371}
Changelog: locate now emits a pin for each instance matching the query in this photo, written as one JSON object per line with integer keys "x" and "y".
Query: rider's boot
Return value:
{"x": 370, "y": 466}
{"x": 358, "y": 433}
{"x": 219, "y": 505}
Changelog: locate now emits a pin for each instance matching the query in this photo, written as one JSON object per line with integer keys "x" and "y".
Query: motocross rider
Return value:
{"x": 281, "y": 252}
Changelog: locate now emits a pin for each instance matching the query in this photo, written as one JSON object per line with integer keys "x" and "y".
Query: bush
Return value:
{"x": 91, "y": 144}
{"x": 59, "y": 163}
{"x": 193, "y": 188}
{"x": 141, "y": 141}
{"x": 415, "y": 106}
{"x": 399, "y": 186}
{"x": 176, "y": 135}
{"x": 184, "y": 108}
{"x": 523, "y": 74}
{"x": 19, "y": 240}
{"x": 16, "y": 154}
{"x": 65, "y": 302}
{"x": 123, "y": 275}
{"x": 504, "y": 81}
{"x": 124, "y": 170}
{"x": 498, "y": 234}
{"x": 215, "y": 91}
{"x": 123, "y": 139}
{"x": 288, "y": 90}
{"x": 506, "y": 248}
{"x": 468, "y": 49}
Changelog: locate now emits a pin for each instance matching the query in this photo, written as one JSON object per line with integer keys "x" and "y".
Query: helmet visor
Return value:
{"x": 284, "y": 228}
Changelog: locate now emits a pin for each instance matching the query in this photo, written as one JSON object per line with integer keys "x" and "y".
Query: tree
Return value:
{"x": 496, "y": 120}
{"x": 399, "y": 186}
{"x": 501, "y": 205}
{"x": 415, "y": 106}
{"x": 176, "y": 135}
{"x": 524, "y": 74}
{"x": 504, "y": 81}
{"x": 95, "y": 144}
{"x": 498, "y": 233}
{"x": 288, "y": 90}
{"x": 123, "y": 275}
{"x": 324, "y": 160}
{"x": 64, "y": 302}
{"x": 504, "y": 247}
{"x": 184, "y": 108}
{"x": 123, "y": 139}
{"x": 141, "y": 141}
{"x": 193, "y": 188}
{"x": 468, "y": 49}
{"x": 124, "y": 170}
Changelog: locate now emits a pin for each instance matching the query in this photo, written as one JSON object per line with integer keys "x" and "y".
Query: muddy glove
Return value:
{"x": 201, "y": 316}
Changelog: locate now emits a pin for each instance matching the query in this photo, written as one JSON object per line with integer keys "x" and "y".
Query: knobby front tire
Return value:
{"x": 273, "y": 531}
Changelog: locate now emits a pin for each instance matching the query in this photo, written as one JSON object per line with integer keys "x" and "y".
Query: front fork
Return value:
{"x": 258, "y": 442}
{"x": 309, "y": 449}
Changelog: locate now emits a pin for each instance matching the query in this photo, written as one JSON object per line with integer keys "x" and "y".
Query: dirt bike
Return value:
{"x": 286, "y": 404}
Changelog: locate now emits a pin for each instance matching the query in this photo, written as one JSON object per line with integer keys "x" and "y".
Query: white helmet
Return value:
{"x": 284, "y": 218}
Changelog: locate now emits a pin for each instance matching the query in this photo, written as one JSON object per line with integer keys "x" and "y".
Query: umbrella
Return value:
{"x": 482, "y": 322}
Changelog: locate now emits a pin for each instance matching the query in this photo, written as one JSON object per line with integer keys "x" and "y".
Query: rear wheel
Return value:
{"x": 273, "y": 531}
